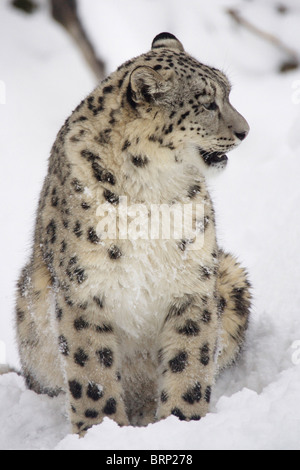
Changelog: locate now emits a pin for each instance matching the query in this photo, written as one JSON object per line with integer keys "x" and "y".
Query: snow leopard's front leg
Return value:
{"x": 187, "y": 360}
{"x": 90, "y": 355}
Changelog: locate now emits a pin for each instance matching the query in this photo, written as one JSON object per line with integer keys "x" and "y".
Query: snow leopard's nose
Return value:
{"x": 241, "y": 135}
{"x": 239, "y": 127}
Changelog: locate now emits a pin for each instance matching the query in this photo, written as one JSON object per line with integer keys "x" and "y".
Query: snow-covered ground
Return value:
{"x": 257, "y": 199}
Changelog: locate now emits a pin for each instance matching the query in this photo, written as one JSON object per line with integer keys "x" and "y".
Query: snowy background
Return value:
{"x": 256, "y": 404}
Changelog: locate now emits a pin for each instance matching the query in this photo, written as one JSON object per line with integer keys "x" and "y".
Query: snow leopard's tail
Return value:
{"x": 235, "y": 297}
{"x": 5, "y": 369}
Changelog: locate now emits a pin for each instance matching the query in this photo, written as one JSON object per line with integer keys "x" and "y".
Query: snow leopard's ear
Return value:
{"x": 167, "y": 41}
{"x": 146, "y": 84}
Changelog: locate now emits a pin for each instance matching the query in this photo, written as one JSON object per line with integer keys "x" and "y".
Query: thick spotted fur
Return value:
{"x": 134, "y": 330}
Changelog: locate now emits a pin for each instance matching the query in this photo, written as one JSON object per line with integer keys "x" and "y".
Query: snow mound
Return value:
{"x": 247, "y": 420}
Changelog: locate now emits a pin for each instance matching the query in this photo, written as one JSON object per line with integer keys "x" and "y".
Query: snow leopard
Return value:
{"x": 135, "y": 328}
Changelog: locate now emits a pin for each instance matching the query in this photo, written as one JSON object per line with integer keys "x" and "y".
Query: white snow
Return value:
{"x": 42, "y": 78}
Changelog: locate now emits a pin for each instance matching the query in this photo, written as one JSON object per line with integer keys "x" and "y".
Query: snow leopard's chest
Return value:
{"x": 139, "y": 292}
{"x": 159, "y": 253}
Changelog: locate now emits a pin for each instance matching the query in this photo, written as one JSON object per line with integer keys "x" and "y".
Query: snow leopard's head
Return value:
{"x": 190, "y": 101}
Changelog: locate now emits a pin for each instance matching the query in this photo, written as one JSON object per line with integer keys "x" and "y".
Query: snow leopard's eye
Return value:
{"x": 211, "y": 106}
